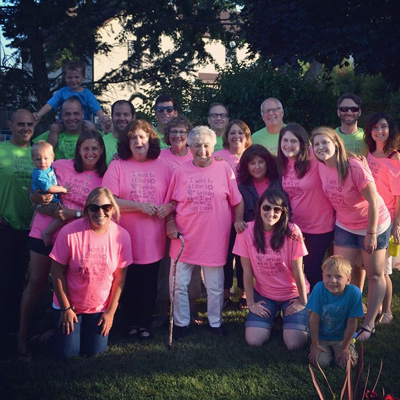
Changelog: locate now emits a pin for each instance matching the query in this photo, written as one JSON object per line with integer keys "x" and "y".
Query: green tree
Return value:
{"x": 328, "y": 32}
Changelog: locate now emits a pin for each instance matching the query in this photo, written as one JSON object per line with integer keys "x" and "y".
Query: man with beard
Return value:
{"x": 218, "y": 119}
{"x": 349, "y": 111}
{"x": 122, "y": 114}
{"x": 165, "y": 109}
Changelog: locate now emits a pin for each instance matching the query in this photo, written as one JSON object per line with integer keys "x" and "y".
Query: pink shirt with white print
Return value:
{"x": 231, "y": 159}
{"x": 273, "y": 270}
{"x": 173, "y": 160}
{"x": 386, "y": 172}
{"x": 351, "y": 207}
{"x": 311, "y": 210}
{"x": 143, "y": 182}
{"x": 91, "y": 261}
{"x": 203, "y": 212}
{"x": 80, "y": 184}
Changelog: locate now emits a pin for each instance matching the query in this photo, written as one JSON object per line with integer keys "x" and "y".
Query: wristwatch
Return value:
{"x": 78, "y": 214}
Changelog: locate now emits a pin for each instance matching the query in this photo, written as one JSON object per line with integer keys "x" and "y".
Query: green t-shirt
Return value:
{"x": 163, "y": 145}
{"x": 16, "y": 168}
{"x": 354, "y": 142}
{"x": 219, "y": 145}
{"x": 110, "y": 144}
{"x": 266, "y": 139}
{"x": 66, "y": 144}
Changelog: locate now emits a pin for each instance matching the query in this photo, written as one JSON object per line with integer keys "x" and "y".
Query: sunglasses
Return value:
{"x": 168, "y": 109}
{"x": 276, "y": 209}
{"x": 94, "y": 208}
{"x": 352, "y": 109}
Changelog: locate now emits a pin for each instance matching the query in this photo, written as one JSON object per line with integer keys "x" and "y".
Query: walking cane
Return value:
{"x": 171, "y": 307}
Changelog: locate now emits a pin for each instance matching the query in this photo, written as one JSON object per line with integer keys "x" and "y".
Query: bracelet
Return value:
{"x": 66, "y": 309}
{"x": 371, "y": 233}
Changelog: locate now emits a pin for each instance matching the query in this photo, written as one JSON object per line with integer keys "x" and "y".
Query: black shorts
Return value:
{"x": 37, "y": 246}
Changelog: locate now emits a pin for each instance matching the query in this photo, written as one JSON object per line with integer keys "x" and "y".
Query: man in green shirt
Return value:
{"x": 72, "y": 117}
{"x": 218, "y": 119}
{"x": 122, "y": 114}
{"x": 349, "y": 111}
{"x": 165, "y": 109}
{"x": 16, "y": 168}
{"x": 272, "y": 114}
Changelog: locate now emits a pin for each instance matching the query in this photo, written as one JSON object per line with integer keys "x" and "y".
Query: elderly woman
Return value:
{"x": 236, "y": 139}
{"x": 140, "y": 180}
{"x": 203, "y": 192}
{"x": 88, "y": 270}
{"x": 81, "y": 175}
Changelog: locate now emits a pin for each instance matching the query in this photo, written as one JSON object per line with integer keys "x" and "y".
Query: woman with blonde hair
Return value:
{"x": 362, "y": 219}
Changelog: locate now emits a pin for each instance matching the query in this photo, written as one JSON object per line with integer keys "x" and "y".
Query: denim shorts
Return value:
{"x": 344, "y": 238}
{"x": 298, "y": 321}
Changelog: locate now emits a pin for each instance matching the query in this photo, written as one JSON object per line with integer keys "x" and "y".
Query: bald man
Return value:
{"x": 16, "y": 168}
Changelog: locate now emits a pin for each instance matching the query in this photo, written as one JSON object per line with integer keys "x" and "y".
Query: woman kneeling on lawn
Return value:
{"x": 272, "y": 250}
{"x": 90, "y": 257}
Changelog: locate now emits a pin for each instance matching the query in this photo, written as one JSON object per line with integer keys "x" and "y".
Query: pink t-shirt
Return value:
{"x": 273, "y": 270}
{"x": 143, "y": 182}
{"x": 231, "y": 159}
{"x": 203, "y": 212}
{"x": 261, "y": 187}
{"x": 311, "y": 210}
{"x": 80, "y": 185}
{"x": 351, "y": 207}
{"x": 91, "y": 261}
{"x": 386, "y": 172}
{"x": 173, "y": 160}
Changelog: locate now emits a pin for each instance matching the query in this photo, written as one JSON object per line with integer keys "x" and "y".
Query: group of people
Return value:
{"x": 108, "y": 210}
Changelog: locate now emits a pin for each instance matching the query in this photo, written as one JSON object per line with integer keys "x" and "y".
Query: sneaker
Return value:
{"x": 180, "y": 332}
{"x": 219, "y": 331}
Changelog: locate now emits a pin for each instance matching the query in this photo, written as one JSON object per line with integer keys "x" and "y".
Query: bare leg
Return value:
{"x": 294, "y": 339}
{"x": 39, "y": 272}
{"x": 387, "y": 302}
{"x": 257, "y": 336}
{"x": 54, "y": 226}
{"x": 359, "y": 272}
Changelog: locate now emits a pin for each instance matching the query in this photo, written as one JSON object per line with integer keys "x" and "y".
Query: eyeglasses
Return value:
{"x": 273, "y": 110}
{"x": 276, "y": 209}
{"x": 352, "y": 109}
{"x": 168, "y": 109}
{"x": 176, "y": 133}
{"x": 94, "y": 208}
{"x": 216, "y": 115}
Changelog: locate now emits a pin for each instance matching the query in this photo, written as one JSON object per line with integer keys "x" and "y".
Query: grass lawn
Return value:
{"x": 202, "y": 367}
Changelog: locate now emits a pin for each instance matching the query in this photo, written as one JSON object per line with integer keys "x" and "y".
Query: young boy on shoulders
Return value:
{"x": 335, "y": 305}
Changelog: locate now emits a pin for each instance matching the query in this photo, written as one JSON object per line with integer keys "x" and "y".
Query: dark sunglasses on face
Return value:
{"x": 276, "y": 209}
{"x": 168, "y": 109}
{"x": 352, "y": 109}
{"x": 94, "y": 208}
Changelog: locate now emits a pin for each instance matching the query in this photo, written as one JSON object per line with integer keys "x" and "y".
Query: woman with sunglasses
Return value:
{"x": 81, "y": 175}
{"x": 300, "y": 180}
{"x": 139, "y": 180}
{"x": 272, "y": 250}
{"x": 88, "y": 270}
{"x": 362, "y": 219}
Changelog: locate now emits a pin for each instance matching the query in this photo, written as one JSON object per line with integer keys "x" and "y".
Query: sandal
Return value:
{"x": 227, "y": 303}
{"x": 243, "y": 303}
{"x": 196, "y": 320}
{"x": 385, "y": 318}
{"x": 368, "y": 333}
{"x": 133, "y": 331}
{"x": 145, "y": 334}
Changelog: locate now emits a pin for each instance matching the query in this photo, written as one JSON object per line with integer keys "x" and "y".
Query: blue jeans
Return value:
{"x": 86, "y": 339}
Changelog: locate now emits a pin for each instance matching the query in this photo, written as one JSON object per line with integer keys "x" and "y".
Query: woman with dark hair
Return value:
{"x": 81, "y": 176}
{"x": 235, "y": 140}
{"x": 362, "y": 219}
{"x": 139, "y": 180}
{"x": 272, "y": 250}
{"x": 300, "y": 180}
{"x": 88, "y": 269}
{"x": 383, "y": 139}
{"x": 175, "y": 135}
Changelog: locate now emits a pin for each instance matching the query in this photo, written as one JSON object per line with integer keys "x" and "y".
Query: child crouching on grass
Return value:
{"x": 335, "y": 305}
